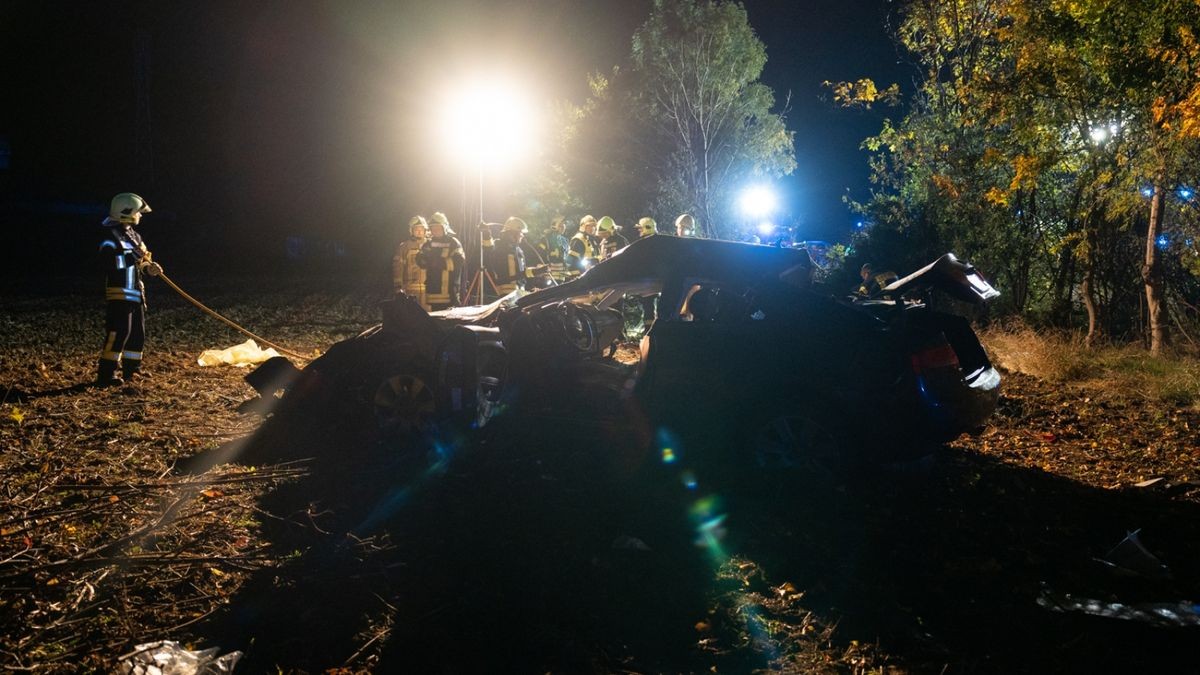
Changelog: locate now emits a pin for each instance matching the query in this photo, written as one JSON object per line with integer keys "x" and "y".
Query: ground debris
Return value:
{"x": 107, "y": 541}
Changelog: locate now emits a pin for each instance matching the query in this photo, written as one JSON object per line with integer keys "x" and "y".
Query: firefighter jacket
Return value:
{"x": 876, "y": 283}
{"x": 581, "y": 252}
{"x": 506, "y": 261}
{"x": 407, "y": 275}
{"x": 554, "y": 247}
{"x": 611, "y": 244}
{"x": 442, "y": 258}
{"x": 120, "y": 252}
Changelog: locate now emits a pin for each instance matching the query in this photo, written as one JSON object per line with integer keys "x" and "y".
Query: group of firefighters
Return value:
{"x": 429, "y": 265}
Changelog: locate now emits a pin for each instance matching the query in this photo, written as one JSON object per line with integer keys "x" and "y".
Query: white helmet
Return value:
{"x": 686, "y": 225}
{"x": 515, "y": 224}
{"x": 439, "y": 218}
{"x": 417, "y": 221}
{"x": 126, "y": 208}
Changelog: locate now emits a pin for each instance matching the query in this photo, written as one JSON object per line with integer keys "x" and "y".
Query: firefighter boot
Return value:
{"x": 106, "y": 375}
{"x": 132, "y": 369}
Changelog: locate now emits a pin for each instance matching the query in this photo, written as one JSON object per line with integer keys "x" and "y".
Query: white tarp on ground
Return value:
{"x": 242, "y": 355}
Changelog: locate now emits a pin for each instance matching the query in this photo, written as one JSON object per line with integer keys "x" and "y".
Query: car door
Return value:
{"x": 725, "y": 346}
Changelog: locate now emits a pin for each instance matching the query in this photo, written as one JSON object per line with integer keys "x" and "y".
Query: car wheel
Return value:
{"x": 489, "y": 388}
{"x": 791, "y": 440}
{"x": 404, "y": 404}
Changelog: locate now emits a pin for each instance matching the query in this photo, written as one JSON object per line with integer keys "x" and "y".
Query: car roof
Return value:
{"x": 661, "y": 257}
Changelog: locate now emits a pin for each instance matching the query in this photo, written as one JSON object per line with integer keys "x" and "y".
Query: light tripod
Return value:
{"x": 481, "y": 273}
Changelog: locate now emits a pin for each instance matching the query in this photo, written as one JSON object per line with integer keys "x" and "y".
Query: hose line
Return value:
{"x": 229, "y": 323}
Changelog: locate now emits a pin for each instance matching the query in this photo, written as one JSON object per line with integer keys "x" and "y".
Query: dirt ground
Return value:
{"x": 313, "y": 544}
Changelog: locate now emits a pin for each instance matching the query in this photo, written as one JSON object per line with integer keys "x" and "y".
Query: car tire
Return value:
{"x": 404, "y": 404}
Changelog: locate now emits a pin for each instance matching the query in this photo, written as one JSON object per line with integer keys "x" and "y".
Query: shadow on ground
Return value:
{"x": 554, "y": 546}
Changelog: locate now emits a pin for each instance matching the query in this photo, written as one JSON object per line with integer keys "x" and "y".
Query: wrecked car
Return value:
{"x": 748, "y": 357}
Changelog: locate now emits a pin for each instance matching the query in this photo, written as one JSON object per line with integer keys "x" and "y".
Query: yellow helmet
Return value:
{"x": 125, "y": 208}
{"x": 515, "y": 224}
{"x": 417, "y": 221}
{"x": 647, "y": 226}
{"x": 606, "y": 224}
{"x": 588, "y": 219}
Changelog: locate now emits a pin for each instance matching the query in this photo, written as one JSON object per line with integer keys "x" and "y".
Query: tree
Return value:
{"x": 594, "y": 158}
{"x": 698, "y": 65}
{"x": 1127, "y": 70}
{"x": 1033, "y": 126}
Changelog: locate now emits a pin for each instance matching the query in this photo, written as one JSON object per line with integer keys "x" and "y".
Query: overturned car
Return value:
{"x": 748, "y": 357}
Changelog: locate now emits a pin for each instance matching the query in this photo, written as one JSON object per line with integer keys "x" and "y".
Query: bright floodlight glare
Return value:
{"x": 758, "y": 201}
{"x": 488, "y": 122}
{"x": 766, "y": 228}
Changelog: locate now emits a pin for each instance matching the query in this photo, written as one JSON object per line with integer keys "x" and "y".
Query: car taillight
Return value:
{"x": 934, "y": 357}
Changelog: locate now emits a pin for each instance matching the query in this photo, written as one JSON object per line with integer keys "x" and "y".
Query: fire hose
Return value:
{"x": 199, "y": 305}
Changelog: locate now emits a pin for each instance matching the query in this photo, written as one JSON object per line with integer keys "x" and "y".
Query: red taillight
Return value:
{"x": 932, "y": 358}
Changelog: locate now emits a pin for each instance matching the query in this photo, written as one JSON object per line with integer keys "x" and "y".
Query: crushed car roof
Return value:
{"x": 664, "y": 256}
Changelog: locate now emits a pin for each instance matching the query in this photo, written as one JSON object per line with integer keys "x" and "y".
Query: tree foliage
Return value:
{"x": 1033, "y": 129}
{"x": 698, "y": 65}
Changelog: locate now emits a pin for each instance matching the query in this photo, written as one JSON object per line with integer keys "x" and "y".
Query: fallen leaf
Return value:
{"x": 16, "y": 415}
{"x": 211, "y": 494}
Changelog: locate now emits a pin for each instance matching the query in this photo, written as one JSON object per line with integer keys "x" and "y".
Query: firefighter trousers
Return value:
{"x": 125, "y": 335}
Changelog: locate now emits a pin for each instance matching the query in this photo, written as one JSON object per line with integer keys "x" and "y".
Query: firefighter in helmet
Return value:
{"x": 873, "y": 282}
{"x": 611, "y": 240}
{"x": 685, "y": 226}
{"x": 407, "y": 275}
{"x": 442, "y": 259}
{"x": 124, "y": 258}
{"x": 582, "y": 250}
{"x": 554, "y": 247}
{"x": 506, "y": 258}
{"x": 646, "y": 227}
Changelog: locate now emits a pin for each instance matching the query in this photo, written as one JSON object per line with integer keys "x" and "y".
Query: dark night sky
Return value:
{"x": 272, "y": 117}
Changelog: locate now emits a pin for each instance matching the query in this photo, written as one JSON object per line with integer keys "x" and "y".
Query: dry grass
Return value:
{"x": 1112, "y": 371}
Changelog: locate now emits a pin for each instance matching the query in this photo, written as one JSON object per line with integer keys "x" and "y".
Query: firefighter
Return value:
{"x": 442, "y": 259}
{"x": 125, "y": 258}
{"x": 407, "y": 275}
{"x": 581, "y": 252}
{"x": 872, "y": 282}
{"x": 506, "y": 258}
{"x": 646, "y": 227}
{"x": 685, "y": 226}
{"x": 554, "y": 248}
{"x": 611, "y": 241}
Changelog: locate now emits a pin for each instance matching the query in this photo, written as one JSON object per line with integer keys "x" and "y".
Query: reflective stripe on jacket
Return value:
{"x": 119, "y": 252}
